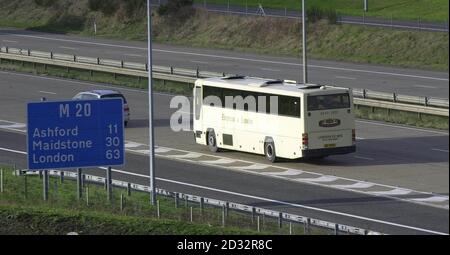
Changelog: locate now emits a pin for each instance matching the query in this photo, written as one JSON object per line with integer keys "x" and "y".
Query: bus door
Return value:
{"x": 198, "y": 101}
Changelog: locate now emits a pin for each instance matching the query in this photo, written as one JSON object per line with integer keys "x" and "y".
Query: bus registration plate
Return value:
{"x": 330, "y": 145}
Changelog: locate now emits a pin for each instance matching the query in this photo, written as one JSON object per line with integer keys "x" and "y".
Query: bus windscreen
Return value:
{"x": 327, "y": 102}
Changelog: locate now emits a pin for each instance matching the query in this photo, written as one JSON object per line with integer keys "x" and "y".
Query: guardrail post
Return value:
{"x": 223, "y": 215}
{"x": 109, "y": 184}
{"x": 98, "y": 61}
{"x": 28, "y": 52}
{"x": 146, "y": 67}
{"x": 7, "y": 49}
{"x": 51, "y": 55}
{"x": 280, "y": 220}
{"x": 171, "y": 70}
{"x": 364, "y": 93}
{"x": 336, "y": 229}
{"x": 79, "y": 183}
{"x": 121, "y": 202}
{"x": 74, "y": 58}
{"x": 197, "y": 74}
{"x": 426, "y": 101}
{"x": 227, "y": 207}
{"x": 306, "y": 225}
{"x": 176, "y": 200}
{"x": 394, "y": 97}
{"x": 202, "y": 204}
{"x": 253, "y": 214}
{"x": 61, "y": 177}
{"x": 129, "y": 189}
{"x": 185, "y": 200}
{"x": 45, "y": 185}
{"x": 121, "y": 63}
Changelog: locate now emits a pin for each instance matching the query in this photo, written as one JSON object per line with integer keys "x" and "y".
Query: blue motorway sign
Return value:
{"x": 76, "y": 133}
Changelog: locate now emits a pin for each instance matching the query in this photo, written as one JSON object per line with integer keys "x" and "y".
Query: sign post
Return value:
{"x": 75, "y": 134}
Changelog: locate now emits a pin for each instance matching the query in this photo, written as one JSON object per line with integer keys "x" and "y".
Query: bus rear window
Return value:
{"x": 326, "y": 102}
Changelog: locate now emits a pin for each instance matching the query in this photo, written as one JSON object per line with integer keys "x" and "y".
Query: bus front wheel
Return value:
{"x": 212, "y": 142}
{"x": 269, "y": 151}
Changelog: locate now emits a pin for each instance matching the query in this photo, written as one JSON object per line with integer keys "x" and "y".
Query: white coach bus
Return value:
{"x": 279, "y": 119}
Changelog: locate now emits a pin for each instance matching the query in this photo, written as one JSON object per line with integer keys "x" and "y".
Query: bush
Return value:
{"x": 315, "y": 14}
{"x": 176, "y": 8}
{"x": 45, "y": 3}
{"x": 107, "y": 7}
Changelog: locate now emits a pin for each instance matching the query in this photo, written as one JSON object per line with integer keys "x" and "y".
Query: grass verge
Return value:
{"x": 398, "y": 117}
{"x": 23, "y": 211}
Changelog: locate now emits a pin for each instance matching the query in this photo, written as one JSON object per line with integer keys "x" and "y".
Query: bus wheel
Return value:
{"x": 269, "y": 151}
{"x": 212, "y": 142}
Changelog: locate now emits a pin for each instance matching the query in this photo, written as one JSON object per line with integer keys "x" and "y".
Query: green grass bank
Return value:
{"x": 360, "y": 44}
{"x": 429, "y": 10}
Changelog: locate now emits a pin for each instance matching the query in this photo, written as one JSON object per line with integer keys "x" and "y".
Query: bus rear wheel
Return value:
{"x": 212, "y": 142}
{"x": 269, "y": 151}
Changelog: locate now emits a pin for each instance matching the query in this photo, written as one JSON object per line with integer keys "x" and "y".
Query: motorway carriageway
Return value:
{"x": 365, "y": 76}
{"x": 391, "y": 155}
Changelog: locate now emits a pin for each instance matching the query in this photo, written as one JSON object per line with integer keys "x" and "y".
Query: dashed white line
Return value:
{"x": 47, "y": 92}
{"x": 423, "y": 86}
{"x": 345, "y": 77}
{"x": 324, "y": 178}
{"x": 252, "y": 167}
{"x": 394, "y": 192}
{"x": 289, "y": 172}
{"x": 433, "y": 199}
{"x": 221, "y": 161}
{"x": 440, "y": 150}
{"x": 359, "y": 157}
{"x": 199, "y": 62}
{"x": 270, "y": 69}
{"x": 9, "y": 41}
{"x": 133, "y": 55}
{"x": 358, "y": 185}
{"x": 67, "y": 48}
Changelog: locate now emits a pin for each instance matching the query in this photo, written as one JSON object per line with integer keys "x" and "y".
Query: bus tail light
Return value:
{"x": 305, "y": 140}
{"x": 353, "y": 135}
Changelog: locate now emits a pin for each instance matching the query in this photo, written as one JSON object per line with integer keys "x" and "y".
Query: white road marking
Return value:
{"x": 321, "y": 179}
{"x": 433, "y": 199}
{"x": 394, "y": 192}
{"x": 146, "y": 152}
{"x": 424, "y": 86}
{"x": 220, "y": 161}
{"x": 440, "y": 150}
{"x": 289, "y": 172}
{"x": 9, "y": 41}
{"x": 10, "y": 126}
{"x": 199, "y": 62}
{"x": 251, "y": 167}
{"x": 132, "y": 144}
{"x": 345, "y": 77}
{"x": 358, "y": 185}
{"x": 189, "y": 155}
{"x": 67, "y": 48}
{"x": 47, "y": 92}
{"x": 359, "y": 157}
{"x": 9, "y": 150}
{"x": 133, "y": 55}
{"x": 270, "y": 69}
{"x": 161, "y": 150}
{"x": 235, "y": 58}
